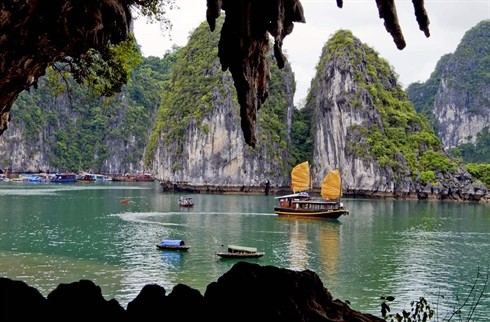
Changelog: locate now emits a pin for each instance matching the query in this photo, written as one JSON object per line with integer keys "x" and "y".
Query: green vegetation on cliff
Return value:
{"x": 301, "y": 137}
{"x": 423, "y": 95}
{"x": 469, "y": 67}
{"x": 401, "y": 131}
{"x": 475, "y": 153}
{"x": 466, "y": 77}
{"x": 78, "y": 129}
{"x": 186, "y": 95}
{"x": 476, "y": 156}
{"x": 198, "y": 87}
{"x": 465, "y": 72}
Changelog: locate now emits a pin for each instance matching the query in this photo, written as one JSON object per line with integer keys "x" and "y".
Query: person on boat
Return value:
{"x": 267, "y": 187}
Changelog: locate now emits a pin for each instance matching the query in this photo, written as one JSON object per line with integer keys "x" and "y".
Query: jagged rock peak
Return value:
{"x": 364, "y": 125}
{"x": 460, "y": 90}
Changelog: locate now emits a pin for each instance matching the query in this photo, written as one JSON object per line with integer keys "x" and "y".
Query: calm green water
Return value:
{"x": 60, "y": 233}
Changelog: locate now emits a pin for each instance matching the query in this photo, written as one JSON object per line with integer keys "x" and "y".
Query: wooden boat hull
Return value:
{"x": 173, "y": 247}
{"x": 314, "y": 213}
{"x": 240, "y": 255}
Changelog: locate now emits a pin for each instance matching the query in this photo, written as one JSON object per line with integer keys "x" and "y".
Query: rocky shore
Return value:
{"x": 247, "y": 292}
{"x": 467, "y": 192}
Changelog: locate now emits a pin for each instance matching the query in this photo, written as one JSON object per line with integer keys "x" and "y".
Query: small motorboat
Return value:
{"x": 186, "y": 202}
{"x": 173, "y": 244}
{"x": 235, "y": 251}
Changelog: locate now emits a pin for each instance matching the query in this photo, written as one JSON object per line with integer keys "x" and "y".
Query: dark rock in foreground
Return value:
{"x": 21, "y": 302}
{"x": 248, "y": 292}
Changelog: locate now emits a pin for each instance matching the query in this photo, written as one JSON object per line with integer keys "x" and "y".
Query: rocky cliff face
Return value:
{"x": 39, "y": 147}
{"x": 458, "y": 116}
{"x": 200, "y": 141}
{"x": 461, "y": 104}
{"x": 364, "y": 125}
{"x": 29, "y": 142}
{"x": 340, "y": 106}
{"x": 17, "y": 153}
{"x": 59, "y": 128}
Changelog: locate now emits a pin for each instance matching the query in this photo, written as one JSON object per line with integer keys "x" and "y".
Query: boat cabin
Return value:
{"x": 235, "y": 251}
{"x": 292, "y": 200}
{"x": 172, "y": 242}
{"x": 241, "y": 249}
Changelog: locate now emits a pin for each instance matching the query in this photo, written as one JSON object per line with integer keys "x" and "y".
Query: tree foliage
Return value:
{"x": 80, "y": 130}
{"x": 422, "y": 95}
{"x": 154, "y": 10}
{"x": 301, "y": 137}
{"x": 476, "y": 156}
{"x": 105, "y": 72}
{"x": 475, "y": 153}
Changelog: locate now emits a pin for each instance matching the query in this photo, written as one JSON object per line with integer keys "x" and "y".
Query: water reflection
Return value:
{"x": 313, "y": 244}
{"x": 172, "y": 259}
{"x": 298, "y": 247}
{"x": 330, "y": 249}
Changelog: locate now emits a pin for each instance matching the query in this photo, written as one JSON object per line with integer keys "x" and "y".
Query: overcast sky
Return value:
{"x": 449, "y": 20}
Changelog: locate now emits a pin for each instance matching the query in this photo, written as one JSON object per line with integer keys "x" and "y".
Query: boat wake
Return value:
{"x": 156, "y": 217}
{"x": 147, "y": 218}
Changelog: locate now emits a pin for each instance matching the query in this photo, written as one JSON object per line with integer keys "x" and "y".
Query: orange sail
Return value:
{"x": 331, "y": 185}
{"x": 300, "y": 177}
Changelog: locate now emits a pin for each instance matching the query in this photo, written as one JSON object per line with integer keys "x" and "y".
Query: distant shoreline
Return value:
{"x": 182, "y": 187}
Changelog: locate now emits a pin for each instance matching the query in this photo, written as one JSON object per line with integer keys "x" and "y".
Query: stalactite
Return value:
{"x": 387, "y": 11}
{"x": 421, "y": 15}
